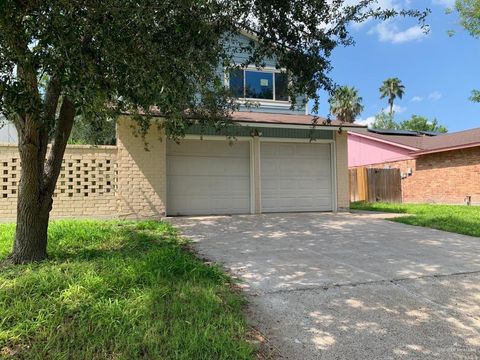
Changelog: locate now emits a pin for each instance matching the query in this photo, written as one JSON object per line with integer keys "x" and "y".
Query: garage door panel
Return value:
{"x": 313, "y": 186}
{"x": 206, "y": 148}
{"x": 295, "y": 167}
{"x": 196, "y": 166}
{"x": 291, "y": 204}
{"x": 208, "y": 177}
{"x": 208, "y": 185}
{"x": 295, "y": 150}
{"x": 296, "y": 177}
{"x": 271, "y": 167}
{"x": 196, "y": 205}
{"x": 280, "y": 150}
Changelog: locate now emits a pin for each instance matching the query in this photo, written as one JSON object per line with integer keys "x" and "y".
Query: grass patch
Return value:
{"x": 118, "y": 290}
{"x": 454, "y": 218}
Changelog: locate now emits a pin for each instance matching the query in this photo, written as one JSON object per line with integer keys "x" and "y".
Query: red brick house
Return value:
{"x": 435, "y": 168}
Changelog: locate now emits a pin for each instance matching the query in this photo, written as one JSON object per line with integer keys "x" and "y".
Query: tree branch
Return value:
{"x": 52, "y": 96}
{"x": 62, "y": 133}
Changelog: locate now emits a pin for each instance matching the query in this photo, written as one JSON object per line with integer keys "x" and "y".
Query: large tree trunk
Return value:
{"x": 36, "y": 187}
{"x": 32, "y": 207}
{"x": 31, "y": 234}
{"x": 32, "y": 223}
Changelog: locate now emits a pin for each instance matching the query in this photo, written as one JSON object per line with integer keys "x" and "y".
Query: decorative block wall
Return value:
{"x": 86, "y": 186}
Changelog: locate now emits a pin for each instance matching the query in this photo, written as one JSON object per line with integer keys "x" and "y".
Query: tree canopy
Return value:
{"x": 416, "y": 123}
{"x": 469, "y": 11}
{"x": 391, "y": 89}
{"x": 346, "y": 104}
{"x": 421, "y": 123}
{"x": 93, "y": 131}
{"x": 384, "y": 120}
{"x": 61, "y": 59}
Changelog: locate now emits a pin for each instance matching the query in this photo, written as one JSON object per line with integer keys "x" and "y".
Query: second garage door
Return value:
{"x": 296, "y": 177}
{"x": 206, "y": 177}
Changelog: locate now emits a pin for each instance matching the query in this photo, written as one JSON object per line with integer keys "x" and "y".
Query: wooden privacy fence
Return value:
{"x": 374, "y": 185}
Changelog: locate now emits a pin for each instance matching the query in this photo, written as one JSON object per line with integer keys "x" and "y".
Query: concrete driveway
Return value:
{"x": 350, "y": 286}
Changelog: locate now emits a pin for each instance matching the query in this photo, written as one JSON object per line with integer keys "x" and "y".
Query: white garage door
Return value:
{"x": 208, "y": 177}
{"x": 296, "y": 177}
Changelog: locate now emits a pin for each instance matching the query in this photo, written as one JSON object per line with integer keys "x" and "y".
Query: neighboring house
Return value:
{"x": 435, "y": 168}
{"x": 272, "y": 166}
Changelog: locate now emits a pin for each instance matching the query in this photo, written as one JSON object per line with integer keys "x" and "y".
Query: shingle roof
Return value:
{"x": 425, "y": 144}
{"x": 404, "y": 140}
{"x": 460, "y": 138}
{"x": 277, "y": 118}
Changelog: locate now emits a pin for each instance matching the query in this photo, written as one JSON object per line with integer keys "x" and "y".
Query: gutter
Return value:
{"x": 292, "y": 126}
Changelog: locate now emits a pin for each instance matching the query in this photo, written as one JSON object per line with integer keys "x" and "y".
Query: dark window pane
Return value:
{"x": 236, "y": 83}
{"x": 259, "y": 85}
{"x": 281, "y": 87}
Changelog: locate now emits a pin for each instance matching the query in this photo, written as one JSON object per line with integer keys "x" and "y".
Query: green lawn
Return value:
{"x": 454, "y": 218}
{"x": 118, "y": 290}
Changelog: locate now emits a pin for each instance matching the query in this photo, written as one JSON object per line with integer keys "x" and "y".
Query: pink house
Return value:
{"x": 368, "y": 148}
{"x": 435, "y": 168}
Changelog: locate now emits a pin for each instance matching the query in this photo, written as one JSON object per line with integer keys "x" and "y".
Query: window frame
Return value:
{"x": 270, "y": 70}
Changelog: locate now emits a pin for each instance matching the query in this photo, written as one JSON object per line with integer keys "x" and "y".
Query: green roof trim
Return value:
{"x": 270, "y": 132}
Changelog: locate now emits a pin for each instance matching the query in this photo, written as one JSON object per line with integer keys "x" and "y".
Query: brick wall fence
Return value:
{"x": 86, "y": 186}
{"x": 444, "y": 178}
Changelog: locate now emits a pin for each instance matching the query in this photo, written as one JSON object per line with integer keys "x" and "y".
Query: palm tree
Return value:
{"x": 346, "y": 104}
{"x": 392, "y": 88}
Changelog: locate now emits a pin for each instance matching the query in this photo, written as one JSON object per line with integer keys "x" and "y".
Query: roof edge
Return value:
{"x": 393, "y": 143}
{"x": 288, "y": 126}
{"x": 280, "y": 124}
{"x": 447, "y": 148}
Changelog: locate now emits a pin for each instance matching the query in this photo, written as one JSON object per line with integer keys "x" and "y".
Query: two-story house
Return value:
{"x": 272, "y": 166}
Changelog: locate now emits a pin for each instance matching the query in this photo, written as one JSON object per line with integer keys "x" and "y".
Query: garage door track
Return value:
{"x": 350, "y": 286}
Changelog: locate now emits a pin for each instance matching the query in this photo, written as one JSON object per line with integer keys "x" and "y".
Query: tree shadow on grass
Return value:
{"x": 123, "y": 290}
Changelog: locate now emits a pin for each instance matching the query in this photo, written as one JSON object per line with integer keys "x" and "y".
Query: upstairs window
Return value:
{"x": 262, "y": 85}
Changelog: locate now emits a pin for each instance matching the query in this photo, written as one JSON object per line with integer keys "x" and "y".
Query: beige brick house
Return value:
{"x": 435, "y": 169}
{"x": 277, "y": 161}
{"x": 272, "y": 165}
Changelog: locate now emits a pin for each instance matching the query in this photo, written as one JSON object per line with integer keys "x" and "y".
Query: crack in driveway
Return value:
{"x": 372, "y": 282}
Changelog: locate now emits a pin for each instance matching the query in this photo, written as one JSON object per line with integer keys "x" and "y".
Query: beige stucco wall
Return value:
{"x": 341, "y": 149}
{"x": 142, "y": 184}
{"x": 85, "y": 187}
